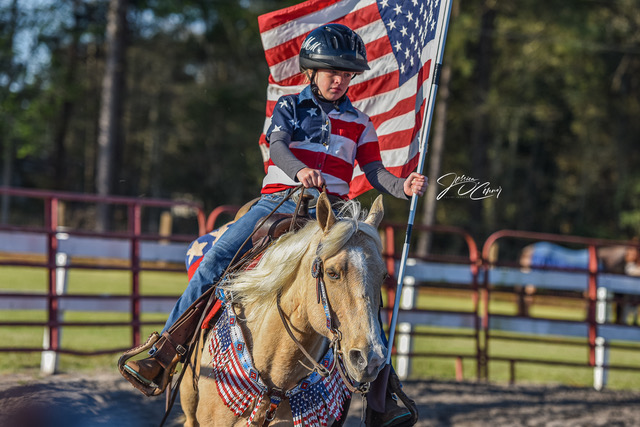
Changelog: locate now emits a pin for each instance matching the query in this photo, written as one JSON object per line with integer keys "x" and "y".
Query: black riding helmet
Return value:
{"x": 334, "y": 47}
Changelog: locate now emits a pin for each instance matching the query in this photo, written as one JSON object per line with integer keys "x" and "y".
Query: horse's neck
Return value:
{"x": 275, "y": 355}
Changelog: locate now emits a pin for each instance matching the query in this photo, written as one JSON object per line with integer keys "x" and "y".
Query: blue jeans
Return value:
{"x": 216, "y": 260}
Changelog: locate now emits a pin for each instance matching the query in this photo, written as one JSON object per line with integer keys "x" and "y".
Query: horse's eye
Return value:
{"x": 333, "y": 274}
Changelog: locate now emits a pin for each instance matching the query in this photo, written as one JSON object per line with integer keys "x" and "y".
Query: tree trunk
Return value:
{"x": 6, "y": 137}
{"x": 479, "y": 129}
{"x": 61, "y": 177}
{"x": 7, "y": 171}
{"x": 435, "y": 160}
{"x": 110, "y": 122}
{"x": 435, "y": 156}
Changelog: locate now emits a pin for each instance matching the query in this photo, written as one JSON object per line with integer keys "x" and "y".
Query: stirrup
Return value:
{"x": 148, "y": 389}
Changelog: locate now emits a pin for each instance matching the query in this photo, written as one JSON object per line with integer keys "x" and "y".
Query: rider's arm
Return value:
{"x": 282, "y": 157}
{"x": 370, "y": 161}
{"x": 383, "y": 180}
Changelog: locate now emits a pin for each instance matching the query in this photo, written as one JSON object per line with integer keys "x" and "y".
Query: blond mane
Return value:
{"x": 278, "y": 266}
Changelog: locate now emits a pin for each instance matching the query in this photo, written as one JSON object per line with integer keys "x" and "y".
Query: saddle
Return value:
{"x": 277, "y": 225}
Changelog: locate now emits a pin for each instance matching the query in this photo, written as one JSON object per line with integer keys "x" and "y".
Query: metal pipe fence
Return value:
{"x": 46, "y": 240}
{"x": 473, "y": 274}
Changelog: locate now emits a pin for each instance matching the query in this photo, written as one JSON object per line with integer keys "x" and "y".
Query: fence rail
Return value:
{"x": 591, "y": 285}
{"x": 58, "y": 243}
{"x": 474, "y": 275}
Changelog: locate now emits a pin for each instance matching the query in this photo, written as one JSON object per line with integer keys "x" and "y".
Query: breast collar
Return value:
{"x": 313, "y": 400}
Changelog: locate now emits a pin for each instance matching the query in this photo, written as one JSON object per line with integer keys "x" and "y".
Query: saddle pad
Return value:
{"x": 201, "y": 246}
{"x": 314, "y": 400}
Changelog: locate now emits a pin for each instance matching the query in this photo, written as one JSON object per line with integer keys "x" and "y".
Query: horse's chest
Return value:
{"x": 315, "y": 399}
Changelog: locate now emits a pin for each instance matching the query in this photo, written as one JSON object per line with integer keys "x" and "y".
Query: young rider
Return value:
{"x": 315, "y": 138}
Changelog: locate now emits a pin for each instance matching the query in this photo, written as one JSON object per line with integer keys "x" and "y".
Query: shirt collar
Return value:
{"x": 345, "y": 106}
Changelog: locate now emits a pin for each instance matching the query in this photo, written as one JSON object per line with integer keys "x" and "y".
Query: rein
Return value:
{"x": 335, "y": 344}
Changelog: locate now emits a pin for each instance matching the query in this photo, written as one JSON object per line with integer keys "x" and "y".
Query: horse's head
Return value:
{"x": 353, "y": 272}
{"x": 349, "y": 252}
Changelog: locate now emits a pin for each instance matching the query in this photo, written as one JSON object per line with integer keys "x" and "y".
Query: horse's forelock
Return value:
{"x": 342, "y": 232}
{"x": 351, "y": 210}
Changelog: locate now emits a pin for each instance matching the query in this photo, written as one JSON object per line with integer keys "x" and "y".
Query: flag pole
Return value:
{"x": 424, "y": 136}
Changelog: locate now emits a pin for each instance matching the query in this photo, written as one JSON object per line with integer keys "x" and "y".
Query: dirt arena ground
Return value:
{"x": 108, "y": 400}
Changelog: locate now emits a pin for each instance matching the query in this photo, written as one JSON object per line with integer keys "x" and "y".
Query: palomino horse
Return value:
{"x": 280, "y": 296}
{"x": 618, "y": 259}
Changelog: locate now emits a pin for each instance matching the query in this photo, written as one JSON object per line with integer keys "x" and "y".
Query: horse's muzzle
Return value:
{"x": 367, "y": 365}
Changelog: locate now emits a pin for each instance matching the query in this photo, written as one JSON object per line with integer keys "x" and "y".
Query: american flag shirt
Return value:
{"x": 401, "y": 38}
{"x": 331, "y": 143}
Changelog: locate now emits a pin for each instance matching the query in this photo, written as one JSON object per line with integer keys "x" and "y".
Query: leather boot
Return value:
{"x": 394, "y": 414}
{"x": 146, "y": 370}
{"x": 151, "y": 375}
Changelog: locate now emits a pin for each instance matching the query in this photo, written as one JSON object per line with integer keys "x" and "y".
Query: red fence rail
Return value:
{"x": 594, "y": 275}
{"x": 471, "y": 261}
{"x": 51, "y": 229}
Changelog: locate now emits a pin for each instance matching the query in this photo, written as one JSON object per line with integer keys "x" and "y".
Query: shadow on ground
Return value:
{"x": 108, "y": 400}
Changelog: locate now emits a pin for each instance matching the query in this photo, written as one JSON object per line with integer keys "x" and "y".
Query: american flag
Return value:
{"x": 316, "y": 399}
{"x": 401, "y": 40}
{"x": 239, "y": 386}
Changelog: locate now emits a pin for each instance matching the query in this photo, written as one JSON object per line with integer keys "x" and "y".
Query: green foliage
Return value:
{"x": 563, "y": 89}
{"x": 558, "y": 112}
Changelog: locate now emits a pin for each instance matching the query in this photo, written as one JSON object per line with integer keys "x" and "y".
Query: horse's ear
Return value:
{"x": 324, "y": 213}
{"x": 376, "y": 213}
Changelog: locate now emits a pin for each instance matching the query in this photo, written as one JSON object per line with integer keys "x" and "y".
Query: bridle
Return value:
{"x": 317, "y": 272}
{"x": 276, "y": 394}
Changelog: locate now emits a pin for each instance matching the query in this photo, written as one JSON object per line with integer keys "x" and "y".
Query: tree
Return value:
{"x": 550, "y": 104}
{"x": 436, "y": 150}
{"x": 110, "y": 125}
{"x": 9, "y": 73}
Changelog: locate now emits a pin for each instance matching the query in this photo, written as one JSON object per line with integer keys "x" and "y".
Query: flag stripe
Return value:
{"x": 369, "y": 152}
{"x": 293, "y": 21}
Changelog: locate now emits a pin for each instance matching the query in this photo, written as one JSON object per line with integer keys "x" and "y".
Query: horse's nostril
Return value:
{"x": 356, "y": 359}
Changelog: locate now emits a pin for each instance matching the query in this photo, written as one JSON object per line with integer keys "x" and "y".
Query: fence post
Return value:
{"x": 49, "y": 358}
{"x": 135, "y": 229}
{"x": 404, "y": 341}
{"x": 601, "y": 350}
{"x": 592, "y": 291}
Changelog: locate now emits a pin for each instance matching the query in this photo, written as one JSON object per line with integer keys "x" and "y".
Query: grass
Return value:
{"x": 501, "y": 344}
{"x": 78, "y": 338}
